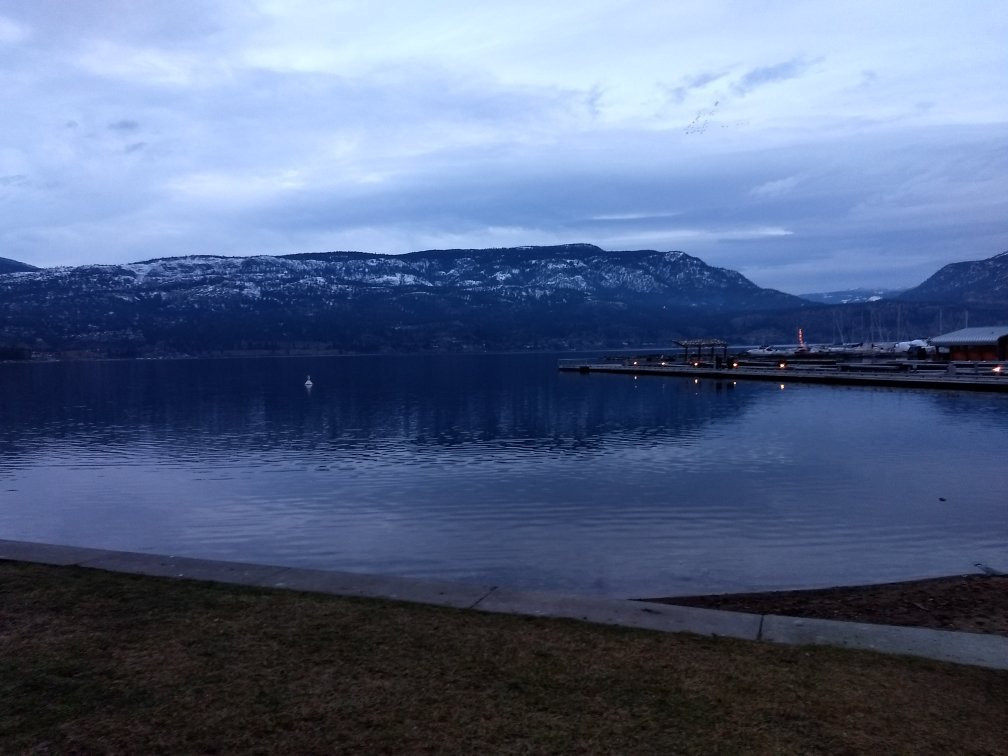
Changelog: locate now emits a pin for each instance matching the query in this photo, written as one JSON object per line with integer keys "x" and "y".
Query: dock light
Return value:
{"x": 782, "y": 365}
{"x": 734, "y": 364}
{"x": 635, "y": 362}
{"x": 663, "y": 364}
{"x": 998, "y": 368}
{"x": 782, "y": 387}
{"x": 696, "y": 364}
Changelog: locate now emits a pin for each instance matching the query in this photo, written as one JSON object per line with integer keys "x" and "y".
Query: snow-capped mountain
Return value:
{"x": 976, "y": 281}
{"x": 673, "y": 278}
{"x": 493, "y": 298}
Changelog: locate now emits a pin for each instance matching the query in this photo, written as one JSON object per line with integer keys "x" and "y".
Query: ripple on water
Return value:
{"x": 544, "y": 480}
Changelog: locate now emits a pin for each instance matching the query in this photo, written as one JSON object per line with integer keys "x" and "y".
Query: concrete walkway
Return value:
{"x": 963, "y": 648}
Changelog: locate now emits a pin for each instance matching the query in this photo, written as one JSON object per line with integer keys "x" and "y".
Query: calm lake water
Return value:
{"x": 499, "y": 468}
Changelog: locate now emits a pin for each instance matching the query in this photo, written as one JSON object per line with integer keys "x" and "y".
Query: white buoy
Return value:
{"x": 308, "y": 383}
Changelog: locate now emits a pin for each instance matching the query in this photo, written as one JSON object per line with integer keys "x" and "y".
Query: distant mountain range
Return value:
{"x": 13, "y": 266}
{"x": 851, "y": 296}
{"x": 515, "y": 298}
{"x": 560, "y": 297}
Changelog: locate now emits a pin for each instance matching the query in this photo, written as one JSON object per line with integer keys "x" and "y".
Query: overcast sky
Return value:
{"x": 810, "y": 145}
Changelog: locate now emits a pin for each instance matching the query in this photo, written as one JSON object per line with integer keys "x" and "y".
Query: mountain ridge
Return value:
{"x": 14, "y": 266}
{"x": 559, "y": 297}
{"x": 970, "y": 282}
{"x": 508, "y": 297}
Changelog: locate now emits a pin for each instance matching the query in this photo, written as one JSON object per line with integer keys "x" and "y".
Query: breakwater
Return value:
{"x": 906, "y": 374}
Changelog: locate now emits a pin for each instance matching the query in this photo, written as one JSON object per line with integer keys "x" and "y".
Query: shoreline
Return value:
{"x": 979, "y": 638}
{"x": 108, "y": 660}
{"x": 973, "y": 602}
{"x": 960, "y": 603}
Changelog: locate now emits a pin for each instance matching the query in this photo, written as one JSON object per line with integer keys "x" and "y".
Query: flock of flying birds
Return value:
{"x": 702, "y": 121}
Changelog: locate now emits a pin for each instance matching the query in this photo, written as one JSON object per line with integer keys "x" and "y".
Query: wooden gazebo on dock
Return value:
{"x": 700, "y": 345}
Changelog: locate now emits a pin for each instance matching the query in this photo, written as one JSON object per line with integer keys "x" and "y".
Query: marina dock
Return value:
{"x": 908, "y": 374}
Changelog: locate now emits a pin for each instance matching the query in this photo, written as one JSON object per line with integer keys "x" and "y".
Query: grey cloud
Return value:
{"x": 758, "y": 77}
{"x": 593, "y": 100}
{"x": 372, "y": 99}
{"x": 387, "y": 121}
{"x": 678, "y": 92}
{"x": 775, "y": 188}
{"x": 846, "y": 200}
{"x": 154, "y": 22}
{"x": 878, "y": 198}
{"x": 400, "y": 154}
{"x": 703, "y": 79}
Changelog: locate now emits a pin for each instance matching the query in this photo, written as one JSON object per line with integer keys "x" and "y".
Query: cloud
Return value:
{"x": 149, "y": 66}
{"x": 630, "y": 217}
{"x": 759, "y": 77}
{"x": 264, "y": 126}
{"x": 11, "y": 32}
{"x": 692, "y": 83}
{"x": 775, "y": 189}
{"x": 681, "y": 237}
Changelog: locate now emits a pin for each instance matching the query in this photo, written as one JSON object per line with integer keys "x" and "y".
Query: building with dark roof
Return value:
{"x": 974, "y": 344}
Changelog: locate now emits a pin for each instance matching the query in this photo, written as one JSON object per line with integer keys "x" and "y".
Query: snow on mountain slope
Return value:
{"x": 492, "y": 298}
{"x": 513, "y": 274}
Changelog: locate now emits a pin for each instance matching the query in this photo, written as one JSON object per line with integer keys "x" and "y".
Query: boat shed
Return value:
{"x": 974, "y": 344}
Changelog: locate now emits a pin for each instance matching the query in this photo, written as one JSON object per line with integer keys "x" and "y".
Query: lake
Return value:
{"x": 501, "y": 469}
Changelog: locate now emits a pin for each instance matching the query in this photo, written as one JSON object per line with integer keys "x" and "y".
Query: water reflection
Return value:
{"x": 499, "y": 468}
{"x": 425, "y": 400}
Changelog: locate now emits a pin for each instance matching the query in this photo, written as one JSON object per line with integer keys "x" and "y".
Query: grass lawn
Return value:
{"x": 94, "y": 661}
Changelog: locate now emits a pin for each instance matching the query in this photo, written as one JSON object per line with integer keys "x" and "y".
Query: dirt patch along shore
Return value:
{"x": 969, "y": 603}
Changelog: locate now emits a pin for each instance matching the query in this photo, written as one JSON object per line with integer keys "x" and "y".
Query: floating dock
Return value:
{"x": 923, "y": 375}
